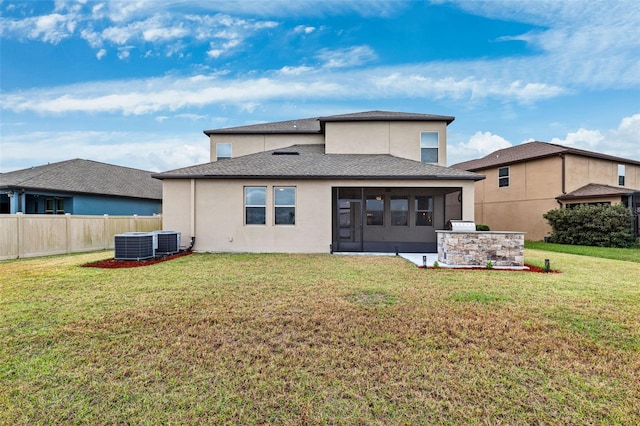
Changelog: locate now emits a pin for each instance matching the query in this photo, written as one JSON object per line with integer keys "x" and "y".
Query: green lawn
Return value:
{"x": 318, "y": 339}
{"x": 628, "y": 254}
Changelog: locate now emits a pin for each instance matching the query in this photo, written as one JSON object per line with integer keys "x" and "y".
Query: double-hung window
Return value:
{"x": 621, "y": 174}
{"x": 424, "y": 210}
{"x": 503, "y": 177}
{"x": 429, "y": 147}
{"x": 399, "y": 210}
{"x": 255, "y": 205}
{"x": 223, "y": 151}
{"x": 285, "y": 205}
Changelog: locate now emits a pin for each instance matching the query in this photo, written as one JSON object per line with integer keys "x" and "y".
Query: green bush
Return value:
{"x": 589, "y": 225}
{"x": 480, "y": 227}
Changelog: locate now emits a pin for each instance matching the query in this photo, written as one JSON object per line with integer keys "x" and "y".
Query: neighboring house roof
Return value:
{"x": 85, "y": 176}
{"x": 594, "y": 190}
{"x": 531, "y": 151}
{"x": 311, "y": 162}
{"x": 316, "y": 124}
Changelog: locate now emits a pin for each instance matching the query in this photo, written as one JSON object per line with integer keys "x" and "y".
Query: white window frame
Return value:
{"x": 621, "y": 174}
{"x": 246, "y": 205}
{"x": 276, "y": 206}
{"x": 426, "y": 144}
{"x": 507, "y": 177}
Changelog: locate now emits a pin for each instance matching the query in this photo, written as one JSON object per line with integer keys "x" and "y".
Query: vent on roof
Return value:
{"x": 285, "y": 153}
{"x": 135, "y": 246}
{"x": 167, "y": 242}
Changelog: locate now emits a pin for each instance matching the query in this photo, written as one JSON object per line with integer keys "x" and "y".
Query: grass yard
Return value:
{"x": 318, "y": 339}
{"x": 628, "y": 254}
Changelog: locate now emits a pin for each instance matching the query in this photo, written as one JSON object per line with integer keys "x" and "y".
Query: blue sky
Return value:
{"x": 134, "y": 83}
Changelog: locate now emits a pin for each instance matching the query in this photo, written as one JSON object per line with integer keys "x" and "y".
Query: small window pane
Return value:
{"x": 255, "y": 196}
{"x": 223, "y": 151}
{"x": 256, "y": 216}
{"x": 285, "y": 196}
{"x": 429, "y": 155}
{"x": 428, "y": 139}
{"x": 285, "y": 215}
{"x": 621, "y": 173}
{"x": 504, "y": 171}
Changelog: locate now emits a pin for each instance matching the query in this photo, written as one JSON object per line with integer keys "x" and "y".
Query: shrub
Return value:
{"x": 589, "y": 225}
{"x": 480, "y": 227}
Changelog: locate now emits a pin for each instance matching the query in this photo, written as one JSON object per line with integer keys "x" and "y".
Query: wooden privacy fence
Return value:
{"x": 32, "y": 235}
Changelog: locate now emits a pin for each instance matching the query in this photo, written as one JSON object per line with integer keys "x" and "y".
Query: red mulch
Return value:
{"x": 115, "y": 264}
{"x": 532, "y": 268}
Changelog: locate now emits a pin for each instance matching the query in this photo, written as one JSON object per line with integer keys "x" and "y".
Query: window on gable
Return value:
{"x": 621, "y": 172}
{"x": 255, "y": 205}
{"x": 285, "y": 205}
{"x": 375, "y": 210}
{"x": 223, "y": 151}
{"x": 503, "y": 177}
{"x": 429, "y": 147}
{"x": 424, "y": 210}
{"x": 399, "y": 210}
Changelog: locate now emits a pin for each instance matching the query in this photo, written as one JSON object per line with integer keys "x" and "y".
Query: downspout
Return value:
{"x": 564, "y": 176}
{"x": 192, "y": 211}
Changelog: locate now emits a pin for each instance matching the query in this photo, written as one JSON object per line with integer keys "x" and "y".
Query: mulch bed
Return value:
{"x": 532, "y": 268}
{"x": 115, "y": 264}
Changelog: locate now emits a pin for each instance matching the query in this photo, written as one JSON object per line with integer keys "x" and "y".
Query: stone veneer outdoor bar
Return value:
{"x": 467, "y": 248}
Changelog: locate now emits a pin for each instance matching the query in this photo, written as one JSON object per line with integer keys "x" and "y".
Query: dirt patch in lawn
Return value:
{"x": 115, "y": 264}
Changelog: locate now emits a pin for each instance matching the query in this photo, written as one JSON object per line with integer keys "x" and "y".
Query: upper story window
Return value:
{"x": 621, "y": 170}
{"x": 503, "y": 177}
{"x": 375, "y": 210}
{"x": 285, "y": 205}
{"x": 429, "y": 147}
{"x": 255, "y": 205}
{"x": 223, "y": 151}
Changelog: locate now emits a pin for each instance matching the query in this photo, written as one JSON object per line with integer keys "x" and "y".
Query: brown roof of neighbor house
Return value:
{"x": 85, "y": 176}
{"x": 316, "y": 124}
{"x": 594, "y": 190}
{"x": 531, "y": 151}
{"x": 311, "y": 162}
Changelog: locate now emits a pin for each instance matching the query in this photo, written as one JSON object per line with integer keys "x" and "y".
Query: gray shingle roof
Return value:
{"x": 594, "y": 190}
{"x": 311, "y": 162}
{"x": 85, "y": 176}
{"x": 531, "y": 151}
{"x": 316, "y": 124}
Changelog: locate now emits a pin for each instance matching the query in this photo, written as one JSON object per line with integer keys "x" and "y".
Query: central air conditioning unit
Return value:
{"x": 135, "y": 246}
{"x": 168, "y": 242}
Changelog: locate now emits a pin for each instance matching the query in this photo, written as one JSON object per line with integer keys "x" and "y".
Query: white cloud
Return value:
{"x": 348, "y": 57}
{"x": 624, "y": 141}
{"x": 304, "y": 29}
{"x": 146, "y": 151}
{"x": 101, "y": 54}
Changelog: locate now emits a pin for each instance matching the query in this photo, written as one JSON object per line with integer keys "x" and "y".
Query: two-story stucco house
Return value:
{"x": 525, "y": 181}
{"x": 370, "y": 181}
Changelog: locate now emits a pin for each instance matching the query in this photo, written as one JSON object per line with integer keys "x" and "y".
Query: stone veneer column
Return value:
{"x": 460, "y": 248}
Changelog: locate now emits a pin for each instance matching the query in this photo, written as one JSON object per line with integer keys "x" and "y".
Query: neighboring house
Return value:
{"x": 371, "y": 181}
{"x": 80, "y": 187}
{"x": 525, "y": 181}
